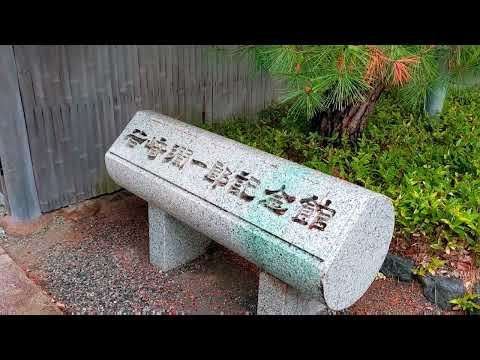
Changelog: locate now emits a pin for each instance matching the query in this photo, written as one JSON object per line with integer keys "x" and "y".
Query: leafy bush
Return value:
{"x": 429, "y": 267}
{"x": 430, "y": 167}
{"x": 467, "y": 303}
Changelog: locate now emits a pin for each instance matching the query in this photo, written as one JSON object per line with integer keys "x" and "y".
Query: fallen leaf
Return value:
{"x": 463, "y": 266}
{"x": 410, "y": 251}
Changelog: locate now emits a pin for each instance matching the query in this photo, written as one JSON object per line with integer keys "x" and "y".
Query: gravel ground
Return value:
{"x": 93, "y": 259}
{"x": 3, "y": 211}
{"x": 99, "y": 265}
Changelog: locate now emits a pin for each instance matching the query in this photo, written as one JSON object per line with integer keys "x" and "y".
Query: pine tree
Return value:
{"x": 336, "y": 87}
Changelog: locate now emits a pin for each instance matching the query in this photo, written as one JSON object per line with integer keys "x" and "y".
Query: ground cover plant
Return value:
{"x": 429, "y": 166}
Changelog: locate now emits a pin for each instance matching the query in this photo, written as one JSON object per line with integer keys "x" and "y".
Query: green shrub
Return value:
{"x": 429, "y": 267}
{"x": 469, "y": 302}
{"x": 430, "y": 167}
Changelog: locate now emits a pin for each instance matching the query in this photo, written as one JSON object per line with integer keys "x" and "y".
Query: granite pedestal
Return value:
{"x": 278, "y": 298}
{"x": 171, "y": 242}
{"x": 317, "y": 239}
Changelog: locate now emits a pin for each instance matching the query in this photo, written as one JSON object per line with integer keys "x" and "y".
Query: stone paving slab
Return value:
{"x": 18, "y": 294}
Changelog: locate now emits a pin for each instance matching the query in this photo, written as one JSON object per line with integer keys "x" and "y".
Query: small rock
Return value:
{"x": 398, "y": 267}
{"x": 440, "y": 290}
{"x": 380, "y": 276}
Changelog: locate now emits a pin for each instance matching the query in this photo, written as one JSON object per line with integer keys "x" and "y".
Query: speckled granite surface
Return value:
{"x": 319, "y": 234}
{"x": 172, "y": 243}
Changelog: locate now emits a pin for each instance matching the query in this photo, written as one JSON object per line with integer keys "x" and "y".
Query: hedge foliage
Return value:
{"x": 430, "y": 167}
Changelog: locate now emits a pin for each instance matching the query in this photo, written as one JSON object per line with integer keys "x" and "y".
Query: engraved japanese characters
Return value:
{"x": 313, "y": 213}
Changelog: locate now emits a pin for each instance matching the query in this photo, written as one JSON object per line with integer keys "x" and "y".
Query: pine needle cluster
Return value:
{"x": 317, "y": 78}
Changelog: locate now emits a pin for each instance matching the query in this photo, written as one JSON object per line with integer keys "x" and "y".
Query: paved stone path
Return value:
{"x": 18, "y": 294}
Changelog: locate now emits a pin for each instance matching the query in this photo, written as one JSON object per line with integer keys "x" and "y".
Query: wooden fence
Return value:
{"x": 76, "y": 100}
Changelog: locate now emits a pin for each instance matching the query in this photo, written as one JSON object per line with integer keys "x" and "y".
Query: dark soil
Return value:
{"x": 392, "y": 297}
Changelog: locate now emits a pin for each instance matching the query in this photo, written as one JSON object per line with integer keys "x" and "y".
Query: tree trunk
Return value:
{"x": 351, "y": 121}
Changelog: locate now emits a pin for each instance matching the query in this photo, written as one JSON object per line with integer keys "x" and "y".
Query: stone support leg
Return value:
{"x": 277, "y": 298}
{"x": 172, "y": 243}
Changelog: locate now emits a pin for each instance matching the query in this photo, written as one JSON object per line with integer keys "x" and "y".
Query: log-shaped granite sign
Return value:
{"x": 321, "y": 237}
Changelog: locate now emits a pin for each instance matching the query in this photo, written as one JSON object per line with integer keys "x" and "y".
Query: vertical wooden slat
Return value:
{"x": 55, "y": 189}
{"x": 217, "y": 104}
{"x": 173, "y": 78}
{"x": 131, "y": 80}
{"x": 40, "y": 160}
{"x": 33, "y": 52}
{"x": 106, "y": 112}
{"x": 143, "y": 63}
{"x": 181, "y": 68}
{"x": 150, "y": 74}
{"x": 62, "y": 92}
{"x": 84, "y": 141}
{"x": 197, "y": 86}
{"x": 77, "y": 99}
{"x": 188, "y": 82}
{"x": 18, "y": 173}
{"x": 236, "y": 86}
{"x": 230, "y": 86}
{"x": 101, "y": 120}
{"x": 209, "y": 84}
{"x": 73, "y": 59}
{"x": 180, "y": 84}
{"x": 215, "y": 78}
{"x": 113, "y": 57}
{"x": 167, "y": 73}
{"x": 57, "y": 140}
{"x": 135, "y": 71}
{"x": 87, "y": 117}
{"x": 110, "y": 129}
{"x": 76, "y": 154}
{"x": 156, "y": 96}
{"x": 122, "y": 83}
{"x": 227, "y": 85}
{"x": 101, "y": 117}
{"x": 160, "y": 80}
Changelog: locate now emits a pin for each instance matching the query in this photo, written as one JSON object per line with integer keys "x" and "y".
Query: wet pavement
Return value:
{"x": 18, "y": 294}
